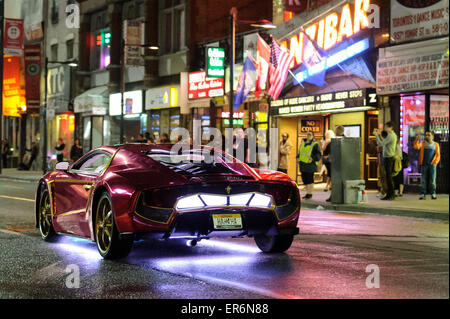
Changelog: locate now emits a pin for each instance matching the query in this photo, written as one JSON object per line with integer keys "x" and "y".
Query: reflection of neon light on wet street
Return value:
{"x": 80, "y": 247}
{"x": 232, "y": 247}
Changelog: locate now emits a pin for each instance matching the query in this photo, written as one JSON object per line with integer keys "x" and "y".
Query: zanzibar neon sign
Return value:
{"x": 331, "y": 30}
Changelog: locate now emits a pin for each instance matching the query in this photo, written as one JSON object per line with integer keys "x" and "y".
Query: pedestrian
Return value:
{"x": 240, "y": 142}
{"x": 5, "y": 152}
{"x": 34, "y": 153}
{"x": 398, "y": 179}
{"x": 76, "y": 151}
{"x": 340, "y": 131}
{"x": 382, "y": 185}
{"x": 430, "y": 156}
{"x": 308, "y": 157}
{"x": 164, "y": 139}
{"x": 60, "y": 150}
{"x": 389, "y": 145}
{"x": 326, "y": 160}
{"x": 140, "y": 139}
{"x": 284, "y": 150}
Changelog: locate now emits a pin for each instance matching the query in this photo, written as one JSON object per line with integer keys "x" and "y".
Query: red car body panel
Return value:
{"x": 130, "y": 172}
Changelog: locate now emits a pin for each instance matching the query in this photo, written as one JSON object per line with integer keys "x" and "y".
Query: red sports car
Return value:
{"x": 116, "y": 194}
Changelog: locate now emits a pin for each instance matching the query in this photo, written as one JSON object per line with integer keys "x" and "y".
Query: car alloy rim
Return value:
{"x": 45, "y": 216}
{"x": 104, "y": 225}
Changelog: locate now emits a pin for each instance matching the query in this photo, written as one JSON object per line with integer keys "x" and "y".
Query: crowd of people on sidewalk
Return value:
{"x": 392, "y": 160}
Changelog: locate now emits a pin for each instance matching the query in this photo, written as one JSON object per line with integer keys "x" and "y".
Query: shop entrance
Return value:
{"x": 371, "y": 156}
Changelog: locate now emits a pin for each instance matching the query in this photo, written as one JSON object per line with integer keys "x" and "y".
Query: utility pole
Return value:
{"x": 2, "y": 13}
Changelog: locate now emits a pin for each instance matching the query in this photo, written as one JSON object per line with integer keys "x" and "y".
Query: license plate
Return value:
{"x": 227, "y": 221}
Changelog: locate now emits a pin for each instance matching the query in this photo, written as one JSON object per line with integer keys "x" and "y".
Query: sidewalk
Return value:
{"x": 15, "y": 174}
{"x": 409, "y": 205}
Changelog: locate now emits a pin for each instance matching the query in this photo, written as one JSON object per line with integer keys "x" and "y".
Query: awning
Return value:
{"x": 93, "y": 101}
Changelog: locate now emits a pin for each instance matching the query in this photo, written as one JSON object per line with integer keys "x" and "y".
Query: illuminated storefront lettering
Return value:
{"x": 331, "y": 30}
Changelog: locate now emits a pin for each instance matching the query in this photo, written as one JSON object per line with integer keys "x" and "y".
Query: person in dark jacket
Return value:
{"x": 308, "y": 156}
{"x": 76, "y": 151}
{"x": 60, "y": 150}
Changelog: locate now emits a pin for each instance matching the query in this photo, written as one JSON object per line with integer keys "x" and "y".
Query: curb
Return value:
{"x": 21, "y": 179}
{"x": 402, "y": 212}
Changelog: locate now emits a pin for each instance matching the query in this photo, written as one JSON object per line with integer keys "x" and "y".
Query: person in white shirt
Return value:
{"x": 389, "y": 147}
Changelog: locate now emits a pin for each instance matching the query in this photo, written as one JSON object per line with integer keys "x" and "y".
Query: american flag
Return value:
{"x": 278, "y": 69}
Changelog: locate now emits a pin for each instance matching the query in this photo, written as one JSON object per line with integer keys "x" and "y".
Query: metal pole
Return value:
{"x": 2, "y": 12}
{"x": 122, "y": 89}
{"x": 233, "y": 13}
{"x": 44, "y": 148}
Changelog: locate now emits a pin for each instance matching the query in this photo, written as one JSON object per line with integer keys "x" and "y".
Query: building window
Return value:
{"x": 54, "y": 52}
{"x": 69, "y": 45}
{"x": 54, "y": 12}
{"x": 173, "y": 20}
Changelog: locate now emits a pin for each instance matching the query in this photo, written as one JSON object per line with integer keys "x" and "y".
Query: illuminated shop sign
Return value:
{"x": 332, "y": 29}
{"x": 132, "y": 103}
{"x": 162, "y": 97}
{"x": 236, "y": 115}
{"x": 200, "y": 86}
{"x": 335, "y": 58}
{"x": 325, "y": 102}
{"x": 215, "y": 62}
{"x": 310, "y": 126}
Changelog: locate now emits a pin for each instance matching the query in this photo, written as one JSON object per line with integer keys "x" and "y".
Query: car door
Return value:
{"x": 73, "y": 191}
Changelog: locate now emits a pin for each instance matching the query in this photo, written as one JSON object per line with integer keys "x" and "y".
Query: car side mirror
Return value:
{"x": 62, "y": 166}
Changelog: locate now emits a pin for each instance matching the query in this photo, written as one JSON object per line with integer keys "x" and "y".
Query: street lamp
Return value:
{"x": 233, "y": 21}
{"x": 45, "y": 143}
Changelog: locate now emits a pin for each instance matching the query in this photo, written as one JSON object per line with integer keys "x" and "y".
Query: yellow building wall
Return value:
{"x": 356, "y": 118}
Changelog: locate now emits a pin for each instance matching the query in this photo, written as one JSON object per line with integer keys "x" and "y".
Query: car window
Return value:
{"x": 94, "y": 164}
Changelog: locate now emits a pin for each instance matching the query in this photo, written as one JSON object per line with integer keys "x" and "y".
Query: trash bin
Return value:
{"x": 353, "y": 191}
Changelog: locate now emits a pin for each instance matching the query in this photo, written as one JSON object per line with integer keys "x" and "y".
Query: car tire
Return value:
{"x": 274, "y": 244}
{"x": 45, "y": 217}
{"x": 109, "y": 242}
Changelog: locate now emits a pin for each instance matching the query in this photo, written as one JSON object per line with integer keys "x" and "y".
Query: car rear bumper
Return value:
{"x": 199, "y": 224}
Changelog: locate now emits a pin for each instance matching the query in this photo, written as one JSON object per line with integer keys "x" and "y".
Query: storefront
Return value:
{"x": 356, "y": 110}
{"x": 415, "y": 76}
{"x": 134, "y": 120}
{"x": 60, "y": 120}
{"x": 205, "y": 99}
{"x": 162, "y": 109}
{"x": 91, "y": 112}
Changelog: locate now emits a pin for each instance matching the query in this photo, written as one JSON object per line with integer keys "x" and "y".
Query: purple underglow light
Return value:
{"x": 81, "y": 247}
{"x": 229, "y": 246}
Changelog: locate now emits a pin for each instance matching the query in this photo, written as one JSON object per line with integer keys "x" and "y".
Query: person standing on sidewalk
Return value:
{"x": 60, "y": 150}
{"x": 308, "y": 157}
{"x": 326, "y": 149}
{"x": 389, "y": 145}
{"x": 76, "y": 151}
{"x": 284, "y": 151}
{"x": 430, "y": 156}
{"x": 5, "y": 152}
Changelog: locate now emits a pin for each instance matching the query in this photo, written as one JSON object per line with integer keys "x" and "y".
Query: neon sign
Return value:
{"x": 334, "y": 59}
{"x": 331, "y": 30}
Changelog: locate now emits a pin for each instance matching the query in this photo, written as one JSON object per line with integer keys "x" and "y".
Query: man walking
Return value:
{"x": 430, "y": 156}
{"x": 389, "y": 144}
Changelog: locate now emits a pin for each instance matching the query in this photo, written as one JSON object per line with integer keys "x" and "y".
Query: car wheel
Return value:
{"x": 110, "y": 245}
{"x": 274, "y": 244}
{"x": 45, "y": 218}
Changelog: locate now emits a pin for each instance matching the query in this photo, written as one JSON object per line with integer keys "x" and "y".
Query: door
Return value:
{"x": 371, "y": 156}
{"x": 73, "y": 191}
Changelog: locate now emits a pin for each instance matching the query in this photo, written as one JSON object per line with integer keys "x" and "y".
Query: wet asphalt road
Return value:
{"x": 328, "y": 259}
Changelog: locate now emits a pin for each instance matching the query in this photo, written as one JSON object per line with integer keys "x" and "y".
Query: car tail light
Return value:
{"x": 198, "y": 201}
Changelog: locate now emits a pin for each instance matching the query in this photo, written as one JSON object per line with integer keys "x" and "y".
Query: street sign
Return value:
{"x": 215, "y": 62}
